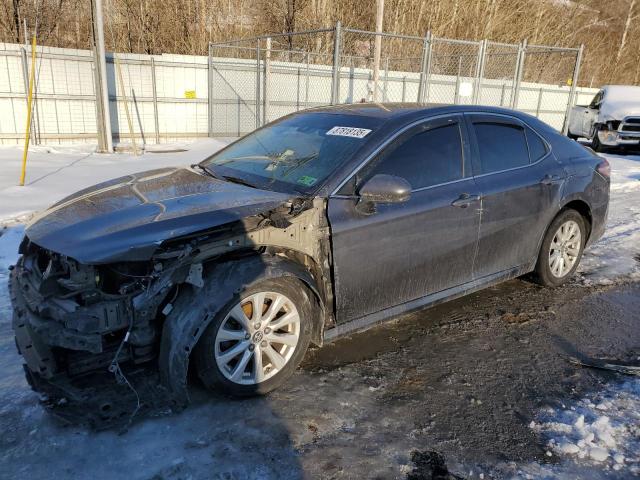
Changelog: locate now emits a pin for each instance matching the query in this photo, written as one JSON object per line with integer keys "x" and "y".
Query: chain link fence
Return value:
{"x": 243, "y": 84}
{"x": 257, "y": 80}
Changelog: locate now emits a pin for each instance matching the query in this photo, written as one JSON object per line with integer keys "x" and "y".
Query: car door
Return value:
{"x": 394, "y": 253}
{"x": 591, "y": 114}
{"x": 520, "y": 183}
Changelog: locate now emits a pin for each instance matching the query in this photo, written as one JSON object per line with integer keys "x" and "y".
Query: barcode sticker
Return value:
{"x": 349, "y": 132}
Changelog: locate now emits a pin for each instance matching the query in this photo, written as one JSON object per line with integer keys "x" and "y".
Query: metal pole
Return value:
{"x": 385, "y": 97}
{"x": 306, "y": 85}
{"x": 209, "y": 90}
{"x": 155, "y": 101}
{"x": 480, "y": 71}
{"x": 404, "y": 88}
{"x": 102, "y": 89}
{"x": 539, "y": 103}
{"x": 335, "y": 80}
{"x": 123, "y": 91}
{"x": 25, "y": 78}
{"x": 574, "y": 86}
{"x": 456, "y": 97}
{"x": 267, "y": 79}
{"x": 258, "y": 83}
{"x": 519, "y": 70}
{"x": 502, "y": 95}
{"x": 377, "y": 44}
{"x": 424, "y": 67}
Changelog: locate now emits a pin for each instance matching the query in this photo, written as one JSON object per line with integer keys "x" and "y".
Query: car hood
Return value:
{"x": 127, "y": 218}
{"x": 617, "y": 110}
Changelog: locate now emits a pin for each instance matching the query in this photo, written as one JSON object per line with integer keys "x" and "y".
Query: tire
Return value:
{"x": 572, "y": 136}
{"x": 547, "y": 272}
{"x": 595, "y": 143}
{"x": 291, "y": 297}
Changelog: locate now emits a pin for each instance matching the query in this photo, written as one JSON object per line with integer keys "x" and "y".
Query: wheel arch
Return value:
{"x": 184, "y": 325}
{"x": 583, "y": 208}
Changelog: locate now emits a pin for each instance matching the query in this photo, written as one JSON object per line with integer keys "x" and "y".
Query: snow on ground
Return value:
{"x": 615, "y": 256}
{"x": 594, "y": 437}
{"x": 55, "y": 172}
{"x": 601, "y": 430}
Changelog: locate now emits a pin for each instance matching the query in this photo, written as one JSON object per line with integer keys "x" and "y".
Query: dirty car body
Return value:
{"x": 334, "y": 200}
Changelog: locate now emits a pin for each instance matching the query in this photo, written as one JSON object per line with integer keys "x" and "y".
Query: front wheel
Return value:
{"x": 256, "y": 342}
{"x": 572, "y": 136}
{"x": 595, "y": 142}
{"x": 561, "y": 249}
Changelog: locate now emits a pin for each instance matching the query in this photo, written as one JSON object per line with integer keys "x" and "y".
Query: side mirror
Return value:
{"x": 383, "y": 188}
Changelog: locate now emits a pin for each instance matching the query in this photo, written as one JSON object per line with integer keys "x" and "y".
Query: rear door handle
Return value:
{"x": 550, "y": 179}
{"x": 464, "y": 200}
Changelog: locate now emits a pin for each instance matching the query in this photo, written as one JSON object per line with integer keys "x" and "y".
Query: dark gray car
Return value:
{"x": 324, "y": 222}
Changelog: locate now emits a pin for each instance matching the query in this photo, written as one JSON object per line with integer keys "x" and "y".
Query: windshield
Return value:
{"x": 295, "y": 154}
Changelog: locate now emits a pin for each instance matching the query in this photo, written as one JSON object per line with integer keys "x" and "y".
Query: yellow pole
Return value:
{"x": 29, "y": 100}
{"x": 126, "y": 106}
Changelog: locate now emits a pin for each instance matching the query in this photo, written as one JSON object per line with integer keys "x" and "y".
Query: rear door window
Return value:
{"x": 423, "y": 157}
{"x": 501, "y": 146}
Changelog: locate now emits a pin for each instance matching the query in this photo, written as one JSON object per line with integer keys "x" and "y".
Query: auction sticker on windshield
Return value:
{"x": 349, "y": 132}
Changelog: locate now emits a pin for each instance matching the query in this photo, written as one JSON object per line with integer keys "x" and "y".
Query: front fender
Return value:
{"x": 189, "y": 318}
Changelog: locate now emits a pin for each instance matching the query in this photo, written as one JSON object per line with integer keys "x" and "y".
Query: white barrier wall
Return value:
{"x": 65, "y": 100}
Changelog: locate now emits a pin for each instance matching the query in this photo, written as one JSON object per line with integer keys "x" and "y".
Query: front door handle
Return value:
{"x": 550, "y": 179}
{"x": 464, "y": 200}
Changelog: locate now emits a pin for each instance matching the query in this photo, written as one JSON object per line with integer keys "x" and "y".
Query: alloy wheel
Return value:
{"x": 257, "y": 338}
{"x": 565, "y": 248}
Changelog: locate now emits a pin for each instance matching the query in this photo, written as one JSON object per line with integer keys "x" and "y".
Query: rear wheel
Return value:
{"x": 572, "y": 136}
{"x": 561, "y": 249}
{"x": 256, "y": 342}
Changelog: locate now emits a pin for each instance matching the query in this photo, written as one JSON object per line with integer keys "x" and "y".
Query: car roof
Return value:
{"x": 397, "y": 114}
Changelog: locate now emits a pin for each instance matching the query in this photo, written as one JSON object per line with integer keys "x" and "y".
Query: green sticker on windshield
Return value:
{"x": 307, "y": 180}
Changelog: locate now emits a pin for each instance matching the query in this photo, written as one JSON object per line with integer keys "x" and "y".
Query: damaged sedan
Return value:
{"x": 317, "y": 225}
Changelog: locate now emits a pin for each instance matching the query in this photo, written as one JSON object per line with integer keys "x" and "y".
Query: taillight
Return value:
{"x": 604, "y": 168}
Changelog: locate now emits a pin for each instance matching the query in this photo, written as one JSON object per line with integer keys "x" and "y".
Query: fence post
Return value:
{"x": 572, "y": 92}
{"x": 385, "y": 95}
{"x": 522, "y": 51}
{"x": 266, "y": 80}
{"x": 423, "y": 87}
{"x": 258, "y": 83}
{"x": 155, "y": 102}
{"x": 456, "y": 97}
{"x": 209, "y": 90}
{"x": 539, "y": 104}
{"x": 306, "y": 85}
{"x": 482, "y": 52}
{"x": 335, "y": 79}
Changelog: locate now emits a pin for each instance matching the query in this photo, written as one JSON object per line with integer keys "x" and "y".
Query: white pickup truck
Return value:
{"x": 611, "y": 120}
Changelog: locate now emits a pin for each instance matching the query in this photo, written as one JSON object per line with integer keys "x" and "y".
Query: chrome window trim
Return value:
{"x": 384, "y": 144}
{"x": 417, "y": 190}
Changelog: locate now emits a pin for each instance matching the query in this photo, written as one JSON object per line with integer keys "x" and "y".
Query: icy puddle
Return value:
{"x": 600, "y": 432}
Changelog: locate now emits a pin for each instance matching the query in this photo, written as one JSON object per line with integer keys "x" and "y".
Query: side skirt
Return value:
{"x": 372, "y": 319}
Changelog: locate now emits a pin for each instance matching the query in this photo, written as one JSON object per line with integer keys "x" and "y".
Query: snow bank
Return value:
{"x": 55, "y": 172}
{"x": 615, "y": 256}
{"x": 601, "y": 431}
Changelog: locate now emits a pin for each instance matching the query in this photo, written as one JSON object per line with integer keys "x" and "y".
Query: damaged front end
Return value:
{"x": 76, "y": 324}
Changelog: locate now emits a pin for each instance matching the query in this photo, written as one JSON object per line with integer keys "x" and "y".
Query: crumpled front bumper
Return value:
{"x": 48, "y": 334}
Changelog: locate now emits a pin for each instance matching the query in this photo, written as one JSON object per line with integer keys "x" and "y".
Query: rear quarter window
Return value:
{"x": 537, "y": 148}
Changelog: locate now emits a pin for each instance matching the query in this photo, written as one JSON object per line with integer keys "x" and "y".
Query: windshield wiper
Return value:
{"x": 238, "y": 180}
{"x": 206, "y": 171}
